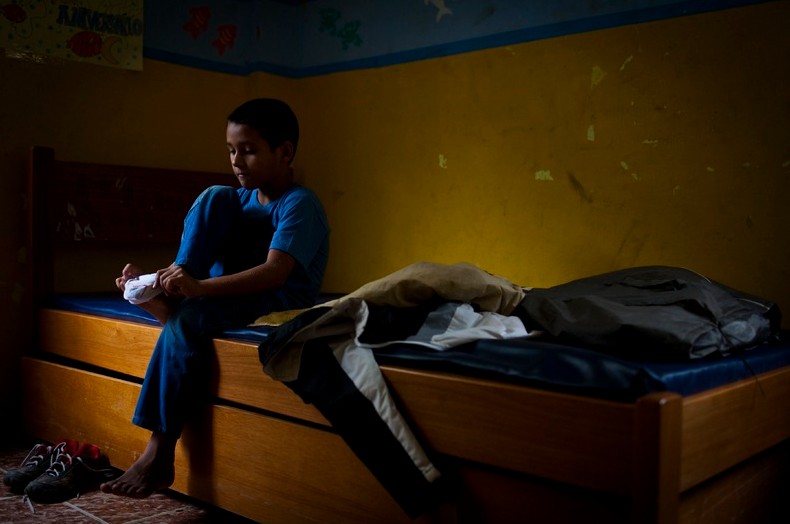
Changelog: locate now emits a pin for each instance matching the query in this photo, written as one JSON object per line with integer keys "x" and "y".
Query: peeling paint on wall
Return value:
{"x": 591, "y": 133}
{"x": 442, "y": 161}
{"x": 626, "y": 167}
{"x": 544, "y": 175}
{"x": 627, "y": 60}
{"x": 596, "y": 76}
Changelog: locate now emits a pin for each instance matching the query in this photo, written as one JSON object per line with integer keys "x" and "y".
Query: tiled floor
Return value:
{"x": 160, "y": 508}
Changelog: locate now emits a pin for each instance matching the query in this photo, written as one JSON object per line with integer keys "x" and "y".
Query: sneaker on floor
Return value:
{"x": 72, "y": 472}
{"x": 139, "y": 290}
{"x": 35, "y": 463}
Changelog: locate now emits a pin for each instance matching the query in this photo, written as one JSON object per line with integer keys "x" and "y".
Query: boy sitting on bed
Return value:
{"x": 244, "y": 253}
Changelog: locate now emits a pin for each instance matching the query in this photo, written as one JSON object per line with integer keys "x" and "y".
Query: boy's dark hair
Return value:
{"x": 273, "y": 119}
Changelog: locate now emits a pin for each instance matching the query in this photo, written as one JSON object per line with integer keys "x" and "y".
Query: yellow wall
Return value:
{"x": 688, "y": 166}
{"x": 666, "y": 143}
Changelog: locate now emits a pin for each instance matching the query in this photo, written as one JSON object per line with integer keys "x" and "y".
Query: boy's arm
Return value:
{"x": 272, "y": 274}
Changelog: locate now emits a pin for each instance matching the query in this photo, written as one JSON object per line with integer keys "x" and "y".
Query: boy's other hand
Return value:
{"x": 175, "y": 281}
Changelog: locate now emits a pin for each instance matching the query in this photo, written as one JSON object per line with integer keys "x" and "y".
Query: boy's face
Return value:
{"x": 254, "y": 163}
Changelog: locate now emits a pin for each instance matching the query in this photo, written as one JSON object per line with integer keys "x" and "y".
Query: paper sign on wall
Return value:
{"x": 103, "y": 32}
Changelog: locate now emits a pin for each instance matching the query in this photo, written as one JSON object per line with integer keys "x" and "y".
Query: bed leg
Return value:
{"x": 656, "y": 459}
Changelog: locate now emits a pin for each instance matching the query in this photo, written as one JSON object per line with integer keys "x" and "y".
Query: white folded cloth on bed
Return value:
{"x": 452, "y": 324}
{"x": 139, "y": 290}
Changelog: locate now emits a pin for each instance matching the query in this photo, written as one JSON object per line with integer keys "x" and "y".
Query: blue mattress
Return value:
{"x": 530, "y": 362}
{"x": 113, "y": 306}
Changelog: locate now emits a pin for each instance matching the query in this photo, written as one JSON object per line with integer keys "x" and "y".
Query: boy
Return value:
{"x": 243, "y": 253}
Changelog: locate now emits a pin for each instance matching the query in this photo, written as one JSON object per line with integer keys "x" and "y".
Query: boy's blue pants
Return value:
{"x": 217, "y": 240}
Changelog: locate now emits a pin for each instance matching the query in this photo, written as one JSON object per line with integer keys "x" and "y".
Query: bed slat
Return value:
{"x": 125, "y": 347}
{"x": 584, "y": 441}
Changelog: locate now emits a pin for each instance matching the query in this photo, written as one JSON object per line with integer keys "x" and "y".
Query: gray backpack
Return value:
{"x": 655, "y": 312}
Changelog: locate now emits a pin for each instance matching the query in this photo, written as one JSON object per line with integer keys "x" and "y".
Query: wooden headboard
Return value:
{"x": 93, "y": 209}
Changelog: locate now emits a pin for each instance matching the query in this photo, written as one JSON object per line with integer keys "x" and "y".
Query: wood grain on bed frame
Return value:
{"x": 518, "y": 454}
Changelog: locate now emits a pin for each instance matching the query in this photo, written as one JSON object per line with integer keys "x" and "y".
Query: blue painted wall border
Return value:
{"x": 687, "y": 8}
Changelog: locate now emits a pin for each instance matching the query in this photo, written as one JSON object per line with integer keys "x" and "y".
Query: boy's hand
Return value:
{"x": 130, "y": 271}
{"x": 175, "y": 281}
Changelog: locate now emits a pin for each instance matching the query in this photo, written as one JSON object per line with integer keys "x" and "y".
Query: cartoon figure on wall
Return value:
{"x": 441, "y": 8}
{"x": 198, "y": 24}
{"x": 347, "y": 33}
{"x": 87, "y": 44}
{"x": 16, "y": 20}
{"x": 199, "y": 18}
{"x": 103, "y": 32}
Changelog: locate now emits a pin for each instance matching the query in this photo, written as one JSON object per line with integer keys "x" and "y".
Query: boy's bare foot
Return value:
{"x": 160, "y": 307}
{"x": 154, "y": 470}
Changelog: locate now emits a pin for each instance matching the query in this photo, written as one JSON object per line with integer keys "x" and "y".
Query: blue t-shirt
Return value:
{"x": 300, "y": 228}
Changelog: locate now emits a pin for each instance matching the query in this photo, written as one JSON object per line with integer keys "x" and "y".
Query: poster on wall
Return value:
{"x": 102, "y": 32}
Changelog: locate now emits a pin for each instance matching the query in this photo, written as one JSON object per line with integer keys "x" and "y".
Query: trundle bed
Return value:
{"x": 670, "y": 448}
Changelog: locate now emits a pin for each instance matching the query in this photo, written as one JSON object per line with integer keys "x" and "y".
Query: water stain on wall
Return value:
{"x": 579, "y": 188}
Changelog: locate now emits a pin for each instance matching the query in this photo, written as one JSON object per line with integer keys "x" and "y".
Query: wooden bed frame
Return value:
{"x": 514, "y": 452}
